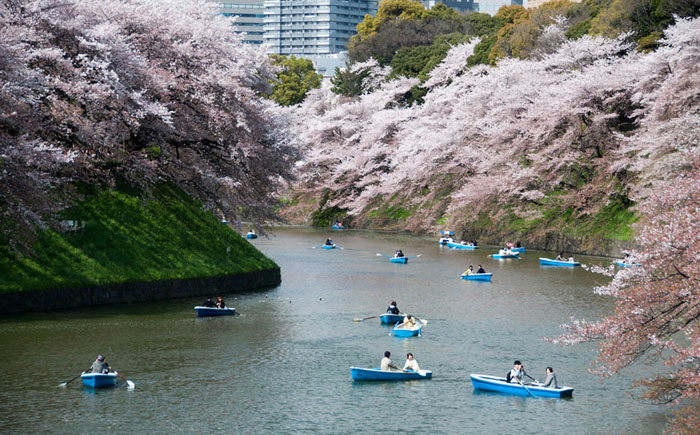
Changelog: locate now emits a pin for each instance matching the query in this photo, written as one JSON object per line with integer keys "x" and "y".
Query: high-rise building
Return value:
{"x": 458, "y": 5}
{"x": 249, "y": 16}
{"x": 492, "y": 6}
{"x": 313, "y": 27}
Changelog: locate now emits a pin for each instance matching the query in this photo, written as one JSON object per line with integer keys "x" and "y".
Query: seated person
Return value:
{"x": 209, "y": 303}
{"x": 329, "y": 242}
{"x": 408, "y": 322}
{"x": 252, "y": 231}
{"x": 469, "y": 271}
{"x": 518, "y": 244}
{"x": 399, "y": 254}
{"x": 560, "y": 257}
{"x": 411, "y": 363}
{"x": 571, "y": 259}
{"x": 386, "y": 364}
{"x": 516, "y": 374}
{"x": 481, "y": 270}
{"x": 551, "y": 381}
{"x": 100, "y": 365}
{"x": 220, "y": 302}
{"x": 393, "y": 309}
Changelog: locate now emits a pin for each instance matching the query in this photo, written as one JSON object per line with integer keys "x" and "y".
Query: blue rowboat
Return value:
{"x": 499, "y": 385}
{"x": 402, "y": 260}
{"x": 328, "y": 246}
{"x": 623, "y": 264}
{"x": 99, "y": 380}
{"x": 478, "y": 277}
{"x": 209, "y": 312}
{"x": 520, "y": 249}
{"x": 500, "y": 256}
{"x": 375, "y": 374}
{"x": 251, "y": 236}
{"x": 391, "y": 319}
{"x": 550, "y": 262}
{"x": 460, "y": 246}
{"x": 402, "y": 331}
{"x": 338, "y": 227}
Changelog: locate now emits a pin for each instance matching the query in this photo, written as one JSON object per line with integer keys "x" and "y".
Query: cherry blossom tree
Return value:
{"x": 657, "y": 310}
{"x": 510, "y": 134}
{"x": 139, "y": 90}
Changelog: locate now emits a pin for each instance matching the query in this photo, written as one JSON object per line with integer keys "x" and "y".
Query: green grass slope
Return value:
{"x": 128, "y": 237}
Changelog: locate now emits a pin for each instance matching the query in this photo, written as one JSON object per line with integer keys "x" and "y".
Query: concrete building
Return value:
{"x": 313, "y": 27}
{"x": 458, "y": 5}
{"x": 531, "y": 4}
{"x": 250, "y": 17}
{"x": 491, "y": 6}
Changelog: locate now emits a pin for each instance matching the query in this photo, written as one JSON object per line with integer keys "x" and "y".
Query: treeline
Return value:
{"x": 413, "y": 40}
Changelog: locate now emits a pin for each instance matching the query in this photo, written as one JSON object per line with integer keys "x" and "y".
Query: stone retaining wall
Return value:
{"x": 56, "y": 299}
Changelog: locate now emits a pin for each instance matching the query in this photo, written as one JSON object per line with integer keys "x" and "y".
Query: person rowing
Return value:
{"x": 481, "y": 270}
{"x": 399, "y": 254}
{"x": 392, "y": 308}
{"x": 209, "y": 303}
{"x": 329, "y": 242}
{"x": 99, "y": 365}
{"x": 515, "y": 375}
{"x": 408, "y": 322}
{"x": 387, "y": 365}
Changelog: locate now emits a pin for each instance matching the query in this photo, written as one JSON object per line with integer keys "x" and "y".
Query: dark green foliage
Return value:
{"x": 325, "y": 217}
{"x": 579, "y": 29}
{"x": 348, "y": 83}
{"x": 649, "y": 42}
{"x": 419, "y": 61}
{"x": 482, "y": 50}
{"x": 483, "y": 24}
{"x": 126, "y": 238}
{"x": 394, "y": 35}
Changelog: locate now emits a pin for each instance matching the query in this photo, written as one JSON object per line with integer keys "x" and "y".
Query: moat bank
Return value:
{"x": 57, "y": 299}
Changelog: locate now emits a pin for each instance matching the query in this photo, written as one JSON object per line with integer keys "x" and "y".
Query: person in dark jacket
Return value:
{"x": 209, "y": 303}
{"x": 480, "y": 270}
{"x": 393, "y": 309}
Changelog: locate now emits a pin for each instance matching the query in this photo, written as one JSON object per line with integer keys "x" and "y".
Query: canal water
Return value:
{"x": 283, "y": 365}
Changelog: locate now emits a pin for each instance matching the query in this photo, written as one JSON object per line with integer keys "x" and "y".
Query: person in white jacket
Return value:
{"x": 411, "y": 363}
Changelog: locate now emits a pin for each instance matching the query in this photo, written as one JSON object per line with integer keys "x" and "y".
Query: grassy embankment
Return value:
{"x": 128, "y": 237}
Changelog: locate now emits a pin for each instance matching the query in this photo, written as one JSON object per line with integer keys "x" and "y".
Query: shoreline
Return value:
{"x": 129, "y": 293}
{"x": 552, "y": 242}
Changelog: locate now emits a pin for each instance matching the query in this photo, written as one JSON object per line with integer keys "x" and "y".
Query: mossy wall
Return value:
{"x": 129, "y": 236}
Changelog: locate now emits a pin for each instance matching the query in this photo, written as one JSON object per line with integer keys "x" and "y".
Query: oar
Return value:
{"x": 423, "y": 321}
{"x": 422, "y": 372}
{"x": 415, "y": 256}
{"x": 382, "y": 255}
{"x": 128, "y": 382}
{"x": 317, "y": 246}
{"x": 365, "y": 318}
{"x": 526, "y": 389}
{"x": 63, "y": 384}
{"x": 339, "y": 247}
